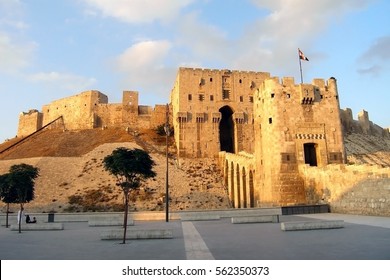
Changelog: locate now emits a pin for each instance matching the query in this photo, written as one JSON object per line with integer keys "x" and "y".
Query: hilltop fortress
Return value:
{"x": 90, "y": 109}
{"x": 277, "y": 142}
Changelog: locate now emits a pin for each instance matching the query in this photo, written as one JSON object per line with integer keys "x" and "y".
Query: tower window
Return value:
{"x": 241, "y": 98}
{"x": 269, "y": 120}
{"x": 211, "y": 97}
{"x": 272, "y": 95}
{"x": 211, "y": 79}
{"x": 189, "y": 97}
{"x": 201, "y": 97}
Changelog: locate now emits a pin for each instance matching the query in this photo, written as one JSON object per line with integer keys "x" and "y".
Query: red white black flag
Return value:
{"x": 302, "y": 56}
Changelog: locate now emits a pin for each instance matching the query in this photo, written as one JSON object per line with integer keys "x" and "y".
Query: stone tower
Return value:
{"x": 213, "y": 111}
{"x": 294, "y": 124}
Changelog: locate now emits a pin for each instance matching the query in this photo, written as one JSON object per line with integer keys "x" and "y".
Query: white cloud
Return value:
{"x": 14, "y": 56}
{"x": 378, "y": 50}
{"x": 138, "y": 11}
{"x": 17, "y": 24}
{"x": 289, "y": 24}
{"x": 204, "y": 41}
{"x": 143, "y": 55}
{"x": 375, "y": 58}
{"x": 268, "y": 43}
{"x": 144, "y": 67}
{"x": 67, "y": 81}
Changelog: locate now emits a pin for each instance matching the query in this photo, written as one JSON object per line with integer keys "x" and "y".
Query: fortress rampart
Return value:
{"x": 278, "y": 142}
{"x": 90, "y": 109}
{"x": 362, "y": 124}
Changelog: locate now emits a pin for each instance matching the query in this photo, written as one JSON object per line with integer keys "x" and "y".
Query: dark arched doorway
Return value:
{"x": 226, "y": 130}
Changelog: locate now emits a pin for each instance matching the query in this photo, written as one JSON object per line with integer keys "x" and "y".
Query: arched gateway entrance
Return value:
{"x": 226, "y": 130}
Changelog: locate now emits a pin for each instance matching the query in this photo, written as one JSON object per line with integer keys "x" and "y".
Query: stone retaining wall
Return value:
{"x": 350, "y": 189}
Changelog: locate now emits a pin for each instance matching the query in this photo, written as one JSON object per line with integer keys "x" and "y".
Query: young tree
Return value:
{"x": 130, "y": 167}
{"x": 7, "y": 194}
{"x": 21, "y": 179}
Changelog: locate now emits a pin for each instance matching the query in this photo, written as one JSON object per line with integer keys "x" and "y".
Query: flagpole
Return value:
{"x": 300, "y": 66}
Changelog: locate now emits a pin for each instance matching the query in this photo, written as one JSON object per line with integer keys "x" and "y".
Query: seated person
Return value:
{"x": 29, "y": 221}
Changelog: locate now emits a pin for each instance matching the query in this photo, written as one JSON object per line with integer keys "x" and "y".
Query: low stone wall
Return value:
{"x": 311, "y": 225}
{"x": 353, "y": 189}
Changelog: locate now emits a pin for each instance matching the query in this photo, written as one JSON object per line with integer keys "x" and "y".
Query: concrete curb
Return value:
{"x": 310, "y": 225}
{"x": 37, "y": 227}
{"x": 199, "y": 217}
{"x": 117, "y": 234}
{"x": 102, "y": 222}
{"x": 255, "y": 219}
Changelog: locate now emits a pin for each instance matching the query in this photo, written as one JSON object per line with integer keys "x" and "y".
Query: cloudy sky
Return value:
{"x": 54, "y": 49}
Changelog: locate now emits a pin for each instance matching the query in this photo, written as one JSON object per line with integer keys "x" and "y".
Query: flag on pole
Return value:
{"x": 302, "y": 56}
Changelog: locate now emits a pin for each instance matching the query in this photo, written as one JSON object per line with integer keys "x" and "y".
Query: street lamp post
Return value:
{"x": 167, "y": 133}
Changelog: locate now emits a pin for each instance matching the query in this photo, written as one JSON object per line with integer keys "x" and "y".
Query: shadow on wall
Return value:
{"x": 350, "y": 191}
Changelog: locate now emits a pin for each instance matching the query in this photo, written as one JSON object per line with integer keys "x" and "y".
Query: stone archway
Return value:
{"x": 226, "y": 130}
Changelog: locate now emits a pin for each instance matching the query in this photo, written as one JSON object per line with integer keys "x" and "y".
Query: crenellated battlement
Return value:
{"x": 90, "y": 109}
{"x": 205, "y": 71}
{"x": 319, "y": 92}
{"x": 362, "y": 124}
{"x": 290, "y": 82}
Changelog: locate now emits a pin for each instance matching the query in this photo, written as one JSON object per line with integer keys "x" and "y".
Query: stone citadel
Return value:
{"x": 277, "y": 142}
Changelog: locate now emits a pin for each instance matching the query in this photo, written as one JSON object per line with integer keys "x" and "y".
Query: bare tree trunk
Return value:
{"x": 6, "y": 217}
{"x": 20, "y": 218}
{"x": 125, "y": 216}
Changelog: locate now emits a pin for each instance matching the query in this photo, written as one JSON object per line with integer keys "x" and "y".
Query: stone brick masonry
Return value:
{"x": 278, "y": 142}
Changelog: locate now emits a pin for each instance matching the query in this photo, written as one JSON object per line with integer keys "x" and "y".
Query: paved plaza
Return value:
{"x": 362, "y": 238}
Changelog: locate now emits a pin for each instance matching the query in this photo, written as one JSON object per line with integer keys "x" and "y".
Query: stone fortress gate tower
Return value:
{"x": 260, "y": 128}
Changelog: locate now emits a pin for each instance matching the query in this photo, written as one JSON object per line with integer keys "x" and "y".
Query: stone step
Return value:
{"x": 310, "y": 225}
{"x": 117, "y": 234}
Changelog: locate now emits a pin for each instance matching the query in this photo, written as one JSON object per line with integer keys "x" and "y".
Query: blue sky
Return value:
{"x": 54, "y": 49}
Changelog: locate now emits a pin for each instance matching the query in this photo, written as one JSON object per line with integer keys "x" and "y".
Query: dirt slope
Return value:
{"x": 367, "y": 149}
{"x": 72, "y": 177}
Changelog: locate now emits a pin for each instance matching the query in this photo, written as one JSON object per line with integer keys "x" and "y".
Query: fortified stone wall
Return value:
{"x": 107, "y": 115}
{"x": 213, "y": 111}
{"x": 295, "y": 124}
{"x": 362, "y": 124}
{"x": 76, "y": 111}
{"x": 279, "y": 143}
{"x": 355, "y": 189}
{"x": 29, "y": 122}
{"x": 90, "y": 109}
